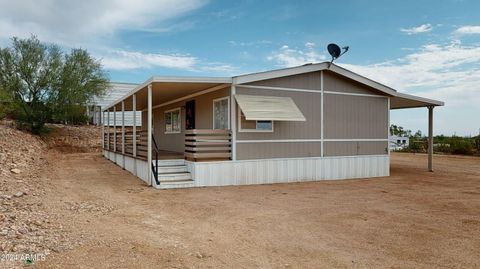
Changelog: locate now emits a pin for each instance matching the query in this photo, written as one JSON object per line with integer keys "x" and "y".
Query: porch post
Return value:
{"x": 149, "y": 135}
{"x": 88, "y": 115}
{"x": 430, "y": 138}
{"x": 102, "y": 114}
{"x": 388, "y": 127}
{"x": 123, "y": 134}
{"x": 134, "y": 133}
{"x": 115, "y": 133}
{"x": 233, "y": 121}
{"x": 108, "y": 130}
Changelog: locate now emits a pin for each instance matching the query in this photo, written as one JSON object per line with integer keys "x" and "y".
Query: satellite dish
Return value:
{"x": 335, "y": 51}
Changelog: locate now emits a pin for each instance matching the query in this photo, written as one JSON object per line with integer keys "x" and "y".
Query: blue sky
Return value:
{"x": 428, "y": 48}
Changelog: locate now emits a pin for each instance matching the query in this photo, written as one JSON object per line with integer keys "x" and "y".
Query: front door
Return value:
{"x": 190, "y": 115}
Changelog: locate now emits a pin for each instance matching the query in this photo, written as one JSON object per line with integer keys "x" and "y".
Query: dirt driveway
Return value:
{"x": 413, "y": 219}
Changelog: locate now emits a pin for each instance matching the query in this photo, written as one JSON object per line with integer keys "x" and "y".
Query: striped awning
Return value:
{"x": 275, "y": 108}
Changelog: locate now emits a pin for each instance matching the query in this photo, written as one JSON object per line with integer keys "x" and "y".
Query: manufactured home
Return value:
{"x": 115, "y": 91}
{"x": 306, "y": 123}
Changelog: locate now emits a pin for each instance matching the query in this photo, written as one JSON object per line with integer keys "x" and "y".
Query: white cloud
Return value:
{"x": 447, "y": 72}
{"x": 289, "y": 57}
{"x": 424, "y": 28}
{"x": 71, "y": 22}
{"x": 129, "y": 60}
{"x": 250, "y": 43}
{"x": 93, "y": 25}
{"x": 468, "y": 30}
{"x": 122, "y": 60}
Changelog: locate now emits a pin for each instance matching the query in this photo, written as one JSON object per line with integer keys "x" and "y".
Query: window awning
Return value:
{"x": 256, "y": 107}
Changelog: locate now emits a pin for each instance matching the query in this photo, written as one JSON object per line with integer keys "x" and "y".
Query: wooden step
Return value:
{"x": 171, "y": 162}
{"x": 172, "y": 177}
{"x": 176, "y": 184}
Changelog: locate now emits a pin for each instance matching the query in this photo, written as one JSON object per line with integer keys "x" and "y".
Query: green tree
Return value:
{"x": 44, "y": 84}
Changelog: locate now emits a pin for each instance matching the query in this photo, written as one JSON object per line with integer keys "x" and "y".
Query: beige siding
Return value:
{"x": 310, "y": 81}
{"x": 308, "y": 103}
{"x": 203, "y": 119}
{"x": 336, "y": 83}
{"x": 352, "y": 148}
{"x": 354, "y": 117}
{"x": 247, "y": 124}
{"x": 248, "y": 151}
{"x": 346, "y": 117}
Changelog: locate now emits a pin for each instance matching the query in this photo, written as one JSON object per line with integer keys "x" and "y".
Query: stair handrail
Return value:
{"x": 155, "y": 167}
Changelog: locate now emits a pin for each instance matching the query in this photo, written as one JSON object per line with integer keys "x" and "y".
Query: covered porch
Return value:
{"x": 405, "y": 101}
{"x": 177, "y": 123}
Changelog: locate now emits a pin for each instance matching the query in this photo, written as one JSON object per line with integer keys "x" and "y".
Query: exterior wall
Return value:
{"x": 309, "y": 104}
{"x": 113, "y": 93}
{"x": 203, "y": 119}
{"x": 355, "y": 117}
{"x": 287, "y": 170}
{"x": 309, "y": 81}
{"x": 336, "y": 83}
{"x": 352, "y": 112}
{"x": 128, "y": 118}
{"x": 273, "y": 150}
{"x": 352, "y": 148}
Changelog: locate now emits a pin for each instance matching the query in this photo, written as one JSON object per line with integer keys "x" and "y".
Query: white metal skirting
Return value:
{"x": 129, "y": 163}
{"x": 249, "y": 172}
{"x": 288, "y": 170}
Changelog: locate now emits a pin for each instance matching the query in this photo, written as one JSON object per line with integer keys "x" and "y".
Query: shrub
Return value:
{"x": 45, "y": 84}
{"x": 460, "y": 145}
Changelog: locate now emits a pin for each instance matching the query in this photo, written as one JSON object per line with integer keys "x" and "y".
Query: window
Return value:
{"x": 221, "y": 108}
{"x": 253, "y": 125}
{"x": 266, "y": 125}
{"x": 173, "y": 121}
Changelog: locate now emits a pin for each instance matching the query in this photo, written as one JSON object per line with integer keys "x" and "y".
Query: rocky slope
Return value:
{"x": 27, "y": 225}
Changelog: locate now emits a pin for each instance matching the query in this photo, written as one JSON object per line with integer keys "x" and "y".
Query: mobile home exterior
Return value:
{"x": 307, "y": 123}
{"x": 115, "y": 91}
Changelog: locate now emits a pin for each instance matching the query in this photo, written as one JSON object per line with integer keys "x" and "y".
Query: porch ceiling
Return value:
{"x": 403, "y": 100}
{"x": 165, "y": 91}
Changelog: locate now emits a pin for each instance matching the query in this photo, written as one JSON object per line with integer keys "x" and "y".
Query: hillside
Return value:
{"x": 26, "y": 223}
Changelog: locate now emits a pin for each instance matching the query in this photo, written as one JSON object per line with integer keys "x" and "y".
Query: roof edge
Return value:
{"x": 307, "y": 68}
{"x": 420, "y": 99}
{"x": 178, "y": 79}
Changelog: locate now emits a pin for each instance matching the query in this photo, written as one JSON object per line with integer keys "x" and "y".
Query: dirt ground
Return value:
{"x": 412, "y": 219}
{"x": 59, "y": 196}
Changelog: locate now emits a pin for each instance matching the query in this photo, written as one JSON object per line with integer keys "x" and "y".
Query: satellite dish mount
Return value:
{"x": 335, "y": 52}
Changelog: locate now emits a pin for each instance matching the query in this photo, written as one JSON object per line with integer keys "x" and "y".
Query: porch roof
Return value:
{"x": 403, "y": 100}
{"x": 166, "y": 89}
